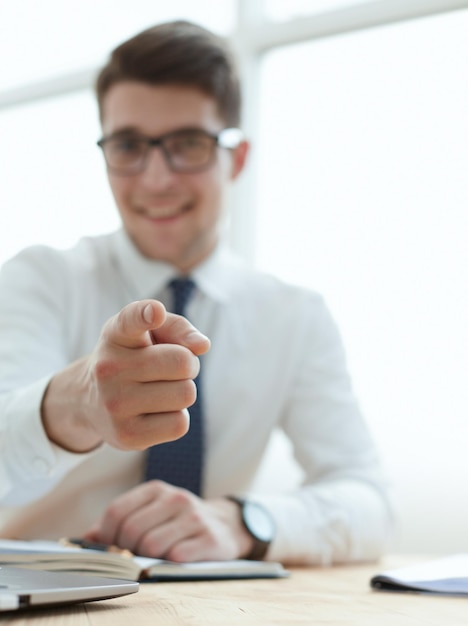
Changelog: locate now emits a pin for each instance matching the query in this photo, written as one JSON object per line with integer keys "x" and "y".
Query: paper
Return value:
{"x": 448, "y": 575}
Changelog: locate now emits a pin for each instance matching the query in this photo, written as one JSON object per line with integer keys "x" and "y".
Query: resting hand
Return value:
{"x": 158, "y": 520}
{"x": 132, "y": 391}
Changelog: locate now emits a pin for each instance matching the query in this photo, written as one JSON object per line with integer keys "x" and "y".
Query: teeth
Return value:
{"x": 162, "y": 213}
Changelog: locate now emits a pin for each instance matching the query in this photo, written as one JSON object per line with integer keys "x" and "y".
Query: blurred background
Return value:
{"x": 357, "y": 187}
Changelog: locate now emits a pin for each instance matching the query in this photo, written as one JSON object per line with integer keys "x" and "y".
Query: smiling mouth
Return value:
{"x": 164, "y": 213}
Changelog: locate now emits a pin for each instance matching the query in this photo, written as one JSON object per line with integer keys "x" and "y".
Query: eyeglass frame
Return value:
{"x": 228, "y": 138}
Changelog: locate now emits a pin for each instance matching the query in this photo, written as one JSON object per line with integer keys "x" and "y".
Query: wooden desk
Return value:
{"x": 336, "y": 596}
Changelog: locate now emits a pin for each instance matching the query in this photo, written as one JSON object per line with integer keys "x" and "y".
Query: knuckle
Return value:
{"x": 105, "y": 368}
{"x": 126, "y": 435}
{"x": 196, "y": 518}
{"x": 184, "y": 363}
{"x": 128, "y": 441}
{"x": 188, "y": 364}
{"x": 177, "y": 554}
{"x": 180, "y": 498}
{"x": 154, "y": 487}
{"x": 148, "y": 546}
{"x": 187, "y": 392}
{"x": 185, "y": 551}
{"x": 128, "y": 529}
{"x": 114, "y": 405}
{"x": 177, "y": 426}
{"x": 113, "y": 513}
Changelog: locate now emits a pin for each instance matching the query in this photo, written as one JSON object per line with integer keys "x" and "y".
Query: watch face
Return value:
{"x": 259, "y": 521}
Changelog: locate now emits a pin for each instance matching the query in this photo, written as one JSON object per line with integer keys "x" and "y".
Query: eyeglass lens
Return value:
{"x": 184, "y": 151}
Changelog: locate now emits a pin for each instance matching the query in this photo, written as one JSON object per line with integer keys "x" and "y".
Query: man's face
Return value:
{"x": 170, "y": 216}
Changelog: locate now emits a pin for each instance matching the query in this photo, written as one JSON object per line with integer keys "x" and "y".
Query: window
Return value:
{"x": 50, "y": 38}
{"x": 363, "y": 195}
{"x": 54, "y": 188}
{"x": 280, "y": 11}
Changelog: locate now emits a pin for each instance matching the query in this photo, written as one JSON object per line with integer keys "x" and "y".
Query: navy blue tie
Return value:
{"x": 180, "y": 462}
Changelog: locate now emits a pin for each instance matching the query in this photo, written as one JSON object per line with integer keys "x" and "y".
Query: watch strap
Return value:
{"x": 260, "y": 547}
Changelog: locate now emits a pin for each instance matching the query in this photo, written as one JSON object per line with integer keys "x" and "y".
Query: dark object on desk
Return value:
{"x": 446, "y": 576}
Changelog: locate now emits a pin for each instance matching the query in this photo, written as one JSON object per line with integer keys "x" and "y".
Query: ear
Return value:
{"x": 239, "y": 158}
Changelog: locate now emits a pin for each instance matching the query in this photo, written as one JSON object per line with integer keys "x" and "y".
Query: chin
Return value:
{"x": 158, "y": 253}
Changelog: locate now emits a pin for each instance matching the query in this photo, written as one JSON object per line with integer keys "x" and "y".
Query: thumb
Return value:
{"x": 131, "y": 327}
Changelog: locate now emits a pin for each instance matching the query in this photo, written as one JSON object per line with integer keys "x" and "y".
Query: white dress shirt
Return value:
{"x": 276, "y": 361}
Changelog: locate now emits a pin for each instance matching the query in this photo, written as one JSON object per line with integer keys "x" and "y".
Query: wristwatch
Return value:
{"x": 259, "y": 524}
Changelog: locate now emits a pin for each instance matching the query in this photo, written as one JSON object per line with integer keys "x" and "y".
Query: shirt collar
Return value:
{"x": 217, "y": 276}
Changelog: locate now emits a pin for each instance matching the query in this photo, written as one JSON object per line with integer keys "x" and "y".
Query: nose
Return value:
{"x": 157, "y": 174}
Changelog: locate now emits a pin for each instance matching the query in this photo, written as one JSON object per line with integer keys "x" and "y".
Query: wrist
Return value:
{"x": 62, "y": 416}
{"x": 228, "y": 512}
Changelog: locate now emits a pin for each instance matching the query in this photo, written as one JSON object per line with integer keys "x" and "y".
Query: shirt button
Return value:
{"x": 41, "y": 466}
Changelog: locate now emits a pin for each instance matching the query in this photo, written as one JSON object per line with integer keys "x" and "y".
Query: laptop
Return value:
{"x": 22, "y": 588}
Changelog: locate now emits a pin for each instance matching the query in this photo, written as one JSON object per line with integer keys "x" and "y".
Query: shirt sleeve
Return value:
{"x": 341, "y": 512}
{"x": 32, "y": 349}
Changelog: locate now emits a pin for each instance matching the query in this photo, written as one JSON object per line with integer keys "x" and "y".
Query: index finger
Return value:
{"x": 177, "y": 329}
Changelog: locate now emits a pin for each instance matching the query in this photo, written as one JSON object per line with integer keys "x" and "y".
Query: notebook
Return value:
{"x": 24, "y": 589}
{"x": 81, "y": 556}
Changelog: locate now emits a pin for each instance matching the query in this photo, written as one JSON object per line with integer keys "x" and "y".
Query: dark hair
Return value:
{"x": 177, "y": 53}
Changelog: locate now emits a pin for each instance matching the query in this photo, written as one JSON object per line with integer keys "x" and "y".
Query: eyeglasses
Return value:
{"x": 187, "y": 150}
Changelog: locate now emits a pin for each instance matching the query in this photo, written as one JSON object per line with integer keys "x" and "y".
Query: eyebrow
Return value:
{"x": 126, "y": 130}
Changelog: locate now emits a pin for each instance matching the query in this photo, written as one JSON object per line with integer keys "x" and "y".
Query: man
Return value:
{"x": 86, "y": 389}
